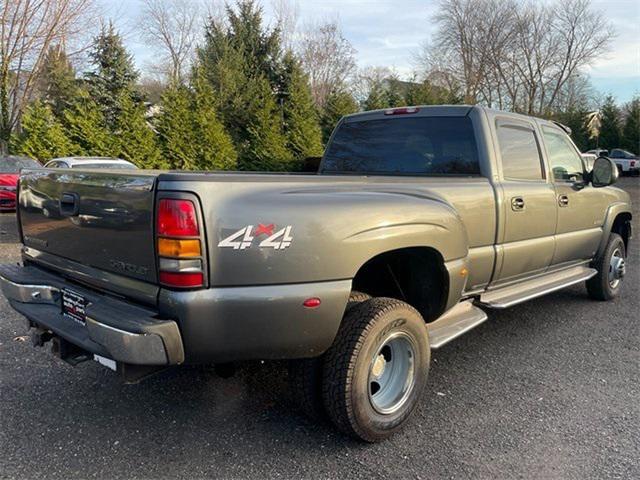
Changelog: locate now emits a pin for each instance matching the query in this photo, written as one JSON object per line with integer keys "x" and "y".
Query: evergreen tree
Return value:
{"x": 338, "y": 104}
{"x": 576, "y": 120}
{"x": 265, "y": 148}
{"x": 631, "y": 130}
{"x": 57, "y": 82}
{"x": 242, "y": 61}
{"x": 395, "y": 92}
{"x": 304, "y": 137}
{"x": 175, "y": 128}
{"x": 113, "y": 74}
{"x": 84, "y": 125}
{"x": 42, "y": 135}
{"x": 377, "y": 97}
{"x": 135, "y": 141}
{"x": 214, "y": 149}
{"x": 192, "y": 137}
{"x": 610, "y": 130}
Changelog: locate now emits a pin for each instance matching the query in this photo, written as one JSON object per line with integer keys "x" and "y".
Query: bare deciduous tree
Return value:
{"x": 171, "y": 26}
{"x": 327, "y": 57}
{"x": 515, "y": 54}
{"x": 286, "y": 13}
{"x": 27, "y": 29}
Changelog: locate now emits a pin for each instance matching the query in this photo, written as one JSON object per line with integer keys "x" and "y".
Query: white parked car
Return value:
{"x": 89, "y": 162}
{"x": 626, "y": 161}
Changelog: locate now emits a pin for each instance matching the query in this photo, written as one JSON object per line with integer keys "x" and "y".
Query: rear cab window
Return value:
{"x": 520, "y": 152}
{"x": 419, "y": 146}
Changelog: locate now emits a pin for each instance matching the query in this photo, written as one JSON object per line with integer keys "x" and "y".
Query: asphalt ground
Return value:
{"x": 547, "y": 389}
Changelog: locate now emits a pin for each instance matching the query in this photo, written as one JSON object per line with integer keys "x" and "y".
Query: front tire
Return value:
{"x": 376, "y": 369}
{"x": 611, "y": 270}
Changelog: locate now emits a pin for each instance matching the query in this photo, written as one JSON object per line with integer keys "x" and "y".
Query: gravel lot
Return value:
{"x": 548, "y": 389}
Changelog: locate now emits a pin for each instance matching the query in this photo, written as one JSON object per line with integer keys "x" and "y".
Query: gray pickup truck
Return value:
{"x": 418, "y": 220}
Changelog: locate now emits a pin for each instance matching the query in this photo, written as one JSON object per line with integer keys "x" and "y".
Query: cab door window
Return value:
{"x": 564, "y": 160}
{"x": 520, "y": 154}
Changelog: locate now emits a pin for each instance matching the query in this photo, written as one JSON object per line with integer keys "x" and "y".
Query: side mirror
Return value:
{"x": 311, "y": 164}
{"x": 605, "y": 172}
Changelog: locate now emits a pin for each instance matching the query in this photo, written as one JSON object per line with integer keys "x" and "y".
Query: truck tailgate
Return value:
{"x": 101, "y": 219}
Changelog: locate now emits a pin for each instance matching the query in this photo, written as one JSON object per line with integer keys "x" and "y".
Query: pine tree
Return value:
{"x": 265, "y": 148}
{"x": 175, "y": 128}
{"x": 113, "y": 74}
{"x": 57, "y": 82}
{"x": 214, "y": 148}
{"x": 84, "y": 125}
{"x": 42, "y": 135}
{"x": 631, "y": 130}
{"x": 610, "y": 130}
{"x": 136, "y": 141}
{"x": 304, "y": 137}
{"x": 576, "y": 120}
{"x": 338, "y": 104}
{"x": 377, "y": 97}
{"x": 242, "y": 61}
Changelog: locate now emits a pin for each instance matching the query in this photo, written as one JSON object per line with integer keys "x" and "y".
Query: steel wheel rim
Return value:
{"x": 392, "y": 373}
{"x": 617, "y": 268}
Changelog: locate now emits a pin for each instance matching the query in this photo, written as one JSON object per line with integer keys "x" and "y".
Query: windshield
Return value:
{"x": 405, "y": 146}
{"x": 104, "y": 165}
{"x": 14, "y": 164}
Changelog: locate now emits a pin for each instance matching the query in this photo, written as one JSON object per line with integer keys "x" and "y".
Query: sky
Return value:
{"x": 390, "y": 32}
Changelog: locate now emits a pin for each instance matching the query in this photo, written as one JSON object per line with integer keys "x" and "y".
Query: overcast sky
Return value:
{"x": 390, "y": 32}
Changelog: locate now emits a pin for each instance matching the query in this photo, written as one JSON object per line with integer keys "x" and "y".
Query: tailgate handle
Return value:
{"x": 69, "y": 204}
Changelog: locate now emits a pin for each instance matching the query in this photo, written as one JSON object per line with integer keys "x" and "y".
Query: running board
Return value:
{"x": 460, "y": 319}
{"x": 512, "y": 295}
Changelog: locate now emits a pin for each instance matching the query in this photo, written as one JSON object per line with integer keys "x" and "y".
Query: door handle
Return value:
{"x": 69, "y": 204}
{"x": 517, "y": 203}
{"x": 563, "y": 200}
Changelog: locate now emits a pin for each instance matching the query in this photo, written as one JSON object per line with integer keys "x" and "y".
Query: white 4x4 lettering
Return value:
{"x": 244, "y": 237}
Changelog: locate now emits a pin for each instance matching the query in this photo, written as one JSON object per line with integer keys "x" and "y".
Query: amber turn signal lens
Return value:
{"x": 171, "y": 247}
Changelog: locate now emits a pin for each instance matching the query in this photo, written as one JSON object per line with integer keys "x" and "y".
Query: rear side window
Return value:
{"x": 520, "y": 154}
{"x": 405, "y": 146}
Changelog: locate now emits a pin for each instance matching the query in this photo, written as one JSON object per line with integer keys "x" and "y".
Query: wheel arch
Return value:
{"x": 416, "y": 275}
{"x": 617, "y": 220}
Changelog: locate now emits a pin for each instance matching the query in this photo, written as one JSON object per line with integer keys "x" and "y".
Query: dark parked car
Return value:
{"x": 9, "y": 173}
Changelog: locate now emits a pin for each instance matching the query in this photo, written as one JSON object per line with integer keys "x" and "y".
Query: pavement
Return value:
{"x": 548, "y": 389}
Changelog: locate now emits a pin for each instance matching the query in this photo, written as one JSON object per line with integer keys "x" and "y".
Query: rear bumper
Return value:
{"x": 202, "y": 326}
{"x": 114, "y": 328}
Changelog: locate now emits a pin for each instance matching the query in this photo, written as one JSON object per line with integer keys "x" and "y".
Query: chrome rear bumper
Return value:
{"x": 114, "y": 328}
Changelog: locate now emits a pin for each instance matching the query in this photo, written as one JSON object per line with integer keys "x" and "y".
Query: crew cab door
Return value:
{"x": 581, "y": 208}
{"x": 528, "y": 207}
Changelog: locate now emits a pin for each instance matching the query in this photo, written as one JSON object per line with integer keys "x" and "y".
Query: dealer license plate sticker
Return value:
{"x": 73, "y": 306}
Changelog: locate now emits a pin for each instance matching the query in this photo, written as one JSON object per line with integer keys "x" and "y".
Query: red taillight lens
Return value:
{"x": 633, "y": 164}
{"x": 177, "y": 218}
{"x": 176, "y": 279}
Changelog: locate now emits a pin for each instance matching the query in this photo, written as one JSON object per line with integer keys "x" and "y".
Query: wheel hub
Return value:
{"x": 392, "y": 373}
{"x": 617, "y": 268}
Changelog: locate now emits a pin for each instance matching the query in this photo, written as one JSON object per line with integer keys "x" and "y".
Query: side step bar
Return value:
{"x": 460, "y": 319}
{"x": 507, "y": 296}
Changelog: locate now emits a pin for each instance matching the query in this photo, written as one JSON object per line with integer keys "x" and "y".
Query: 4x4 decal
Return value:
{"x": 244, "y": 237}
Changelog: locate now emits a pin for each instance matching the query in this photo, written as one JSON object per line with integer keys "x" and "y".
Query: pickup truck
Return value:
{"x": 418, "y": 221}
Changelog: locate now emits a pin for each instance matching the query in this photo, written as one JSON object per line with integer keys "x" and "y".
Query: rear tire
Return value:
{"x": 611, "y": 269}
{"x": 305, "y": 375}
{"x": 376, "y": 369}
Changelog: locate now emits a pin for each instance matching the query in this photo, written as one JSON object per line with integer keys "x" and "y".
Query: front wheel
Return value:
{"x": 611, "y": 270}
{"x": 376, "y": 369}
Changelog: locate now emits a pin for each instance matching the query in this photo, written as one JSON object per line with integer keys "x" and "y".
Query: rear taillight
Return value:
{"x": 179, "y": 245}
{"x": 633, "y": 163}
